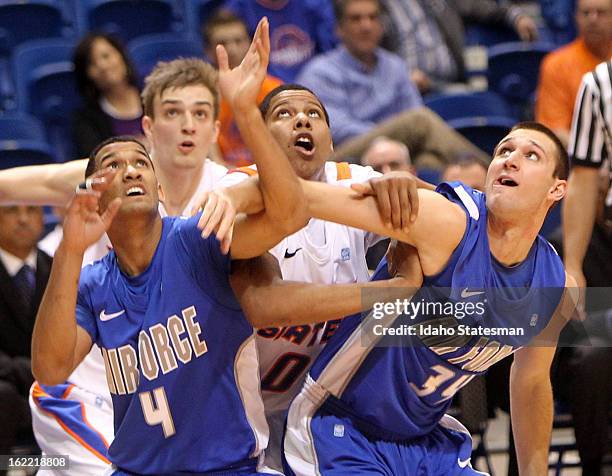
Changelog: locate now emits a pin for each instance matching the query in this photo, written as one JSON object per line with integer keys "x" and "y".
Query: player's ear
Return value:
{"x": 147, "y": 124}
{"x": 558, "y": 190}
{"x": 160, "y": 192}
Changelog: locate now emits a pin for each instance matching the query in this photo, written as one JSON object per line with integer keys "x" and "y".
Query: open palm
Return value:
{"x": 240, "y": 86}
{"x": 83, "y": 224}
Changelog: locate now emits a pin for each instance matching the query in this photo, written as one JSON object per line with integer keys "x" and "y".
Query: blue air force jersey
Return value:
{"x": 400, "y": 388}
{"x": 180, "y": 358}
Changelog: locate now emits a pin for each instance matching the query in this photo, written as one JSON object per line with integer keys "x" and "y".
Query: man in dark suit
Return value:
{"x": 24, "y": 272}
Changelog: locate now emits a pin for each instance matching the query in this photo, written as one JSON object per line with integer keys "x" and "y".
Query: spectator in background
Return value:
{"x": 360, "y": 83}
{"x": 562, "y": 70}
{"x": 588, "y": 367}
{"x": 385, "y": 155}
{"x": 107, "y": 82}
{"x": 467, "y": 169}
{"x": 24, "y": 272}
{"x": 225, "y": 28}
{"x": 299, "y": 30}
{"x": 429, "y": 35}
{"x": 368, "y": 93}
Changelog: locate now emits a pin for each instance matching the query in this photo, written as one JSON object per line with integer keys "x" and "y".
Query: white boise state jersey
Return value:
{"x": 89, "y": 374}
{"x": 322, "y": 252}
{"x": 212, "y": 173}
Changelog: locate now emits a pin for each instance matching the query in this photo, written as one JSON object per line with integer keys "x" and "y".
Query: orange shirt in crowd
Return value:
{"x": 235, "y": 154}
{"x": 560, "y": 76}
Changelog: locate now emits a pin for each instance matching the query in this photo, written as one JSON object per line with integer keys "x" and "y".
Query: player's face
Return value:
{"x": 361, "y": 29}
{"x": 106, "y": 66}
{"x": 183, "y": 128}
{"x": 234, "y": 37}
{"x": 296, "y": 120}
{"x": 20, "y": 228}
{"x": 135, "y": 182}
{"x": 520, "y": 178}
{"x": 594, "y": 20}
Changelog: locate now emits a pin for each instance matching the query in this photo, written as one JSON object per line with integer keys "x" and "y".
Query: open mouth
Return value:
{"x": 506, "y": 181}
{"x": 134, "y": 191}
{"x": 305, "y": 143}
{"x": 186, "y": 146}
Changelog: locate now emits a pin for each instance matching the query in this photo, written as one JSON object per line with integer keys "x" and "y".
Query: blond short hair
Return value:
{"x": 179, "y": 73}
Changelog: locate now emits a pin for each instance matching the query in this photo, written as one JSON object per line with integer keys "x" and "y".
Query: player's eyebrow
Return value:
{"x": 533, "y": 142}
{"x": 173, "y": 102}
{"x": 111, "y": 154}
{"x": 283, "y": 102}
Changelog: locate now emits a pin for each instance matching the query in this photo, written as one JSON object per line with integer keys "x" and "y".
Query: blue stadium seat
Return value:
{"x": 484, "y": 132}
{"x": 46, "y": 89}
{"x": 146, "y": 51}
{"x": 513, "y": 70}
{"x": 22, "y": 21}
{"x": 457, "y": 105}
{"x": 197, "y": 12}
{"x": 19, "y": 126}
{"x": 484, "y": 35}
{"x": 128, "y": 19}
{"x": 15, "y": 153}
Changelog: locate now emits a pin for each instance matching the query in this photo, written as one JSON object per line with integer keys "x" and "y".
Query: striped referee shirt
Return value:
{"x": 591, "y": 135}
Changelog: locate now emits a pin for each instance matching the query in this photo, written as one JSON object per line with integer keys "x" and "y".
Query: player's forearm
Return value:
{"x": 336, "y": 204}
{"x": 306, "y": 303}
{"x": 579, "y": 209}
{"x": 532, "y": 414}
{"x": 54, "y": 336}
{"x": 246, "y": 196}
{"x": 51, "y": 184}
{"x": 282, "y": 195}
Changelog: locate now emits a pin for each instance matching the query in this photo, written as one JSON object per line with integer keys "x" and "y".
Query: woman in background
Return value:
{"x": 107, "y": 82}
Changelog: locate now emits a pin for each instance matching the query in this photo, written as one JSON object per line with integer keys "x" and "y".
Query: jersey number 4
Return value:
{"x": 156, "y": 410}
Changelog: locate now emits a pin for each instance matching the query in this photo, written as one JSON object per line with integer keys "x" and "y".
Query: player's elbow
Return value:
{"x": 293, "y": 220}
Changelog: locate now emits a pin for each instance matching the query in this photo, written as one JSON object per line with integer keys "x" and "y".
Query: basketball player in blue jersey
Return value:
{"x": 381, "y": 410}
{"x": 180, "y": 355}
{"x": 368, "y": 409}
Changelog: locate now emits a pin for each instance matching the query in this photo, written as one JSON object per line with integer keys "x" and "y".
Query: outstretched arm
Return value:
{"x": 285, "y": 211}
{"x": 531, "y": 396}
{"x": 257, "y": 283}
{"x": 51, "y": 184}
{"x": 58, "y": 343}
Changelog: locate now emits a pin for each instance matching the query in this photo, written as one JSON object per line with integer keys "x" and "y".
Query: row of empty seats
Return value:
{"x": 25, "y": 20}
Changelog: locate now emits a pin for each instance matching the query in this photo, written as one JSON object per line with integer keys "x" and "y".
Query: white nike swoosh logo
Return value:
{"x": 107, "y": 317}
{"x": 466, "y": 294}
{"x": 463, "y": 463}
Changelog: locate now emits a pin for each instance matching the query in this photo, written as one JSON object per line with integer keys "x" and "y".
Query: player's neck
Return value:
{"x": 179, "y": 187}
{"x": 510, "y": 241}
{"x": 135, "y": 244}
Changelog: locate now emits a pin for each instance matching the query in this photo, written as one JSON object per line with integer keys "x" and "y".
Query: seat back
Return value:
{"x": 147, "y": 51}
{"x": 128, "y": 19}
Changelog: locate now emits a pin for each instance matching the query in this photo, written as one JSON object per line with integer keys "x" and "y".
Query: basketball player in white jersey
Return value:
{"x": 322, "y": 252}
{"x": 181, "y": 106}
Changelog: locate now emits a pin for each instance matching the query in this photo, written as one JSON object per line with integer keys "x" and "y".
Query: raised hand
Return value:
{"x": 83, "y": 224}
{"x": 240, "y": 86}
{"x": 396, "y": 196}
{"x": 218, "y": 215}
